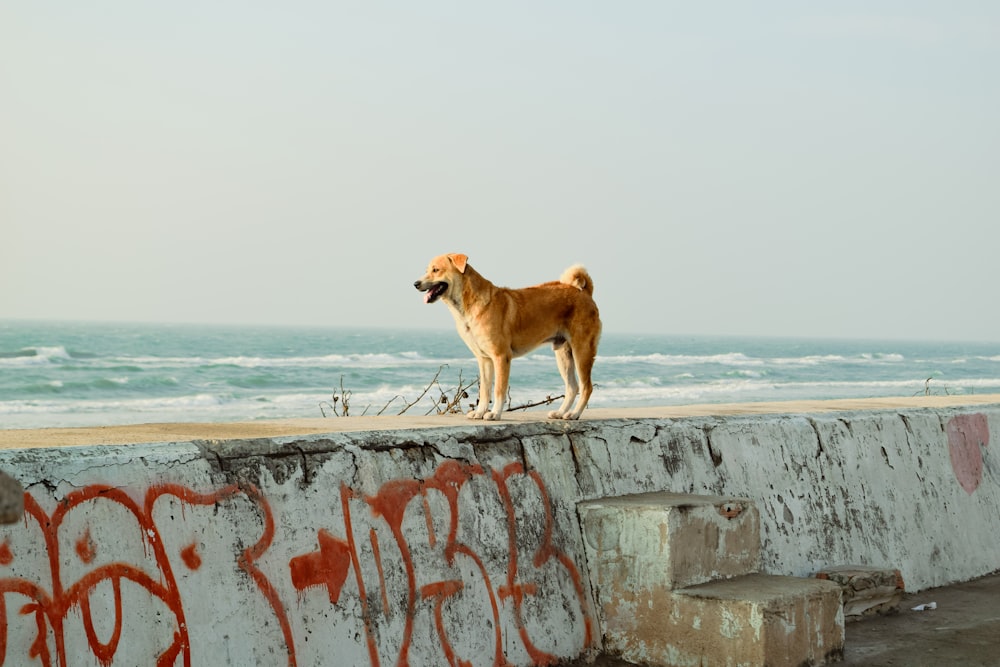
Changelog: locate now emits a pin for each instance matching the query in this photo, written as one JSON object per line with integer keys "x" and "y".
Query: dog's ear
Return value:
{"x": 459, "y": 261}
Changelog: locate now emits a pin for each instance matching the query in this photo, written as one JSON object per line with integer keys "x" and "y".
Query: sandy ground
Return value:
{"x": 183, "y": 432}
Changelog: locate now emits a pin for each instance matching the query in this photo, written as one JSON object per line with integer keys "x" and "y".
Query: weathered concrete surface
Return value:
{"x": 429, "y": 546}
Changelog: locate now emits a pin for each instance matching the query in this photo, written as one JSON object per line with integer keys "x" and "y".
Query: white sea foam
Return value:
{"x": 731, "y": 358}
{"x": 741, "y": 359}
{"x": 376, "y": 360}
{"x": 33, "y": 356}
{"x": 810, "y": 360}
{"x": 883, "y": 357}
{"x": 132, "y": 404}
{"x": 50, "y": 353}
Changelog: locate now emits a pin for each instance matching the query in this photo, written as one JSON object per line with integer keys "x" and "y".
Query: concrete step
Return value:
{"x": 664, "y": 541}
{"x": 753, "y": 621}
{"x": 673, "y": 578}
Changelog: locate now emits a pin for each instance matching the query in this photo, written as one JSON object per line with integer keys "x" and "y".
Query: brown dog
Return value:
{"x": 499, "y": 324}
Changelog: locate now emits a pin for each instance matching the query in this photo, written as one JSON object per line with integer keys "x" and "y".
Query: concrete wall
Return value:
{"x": 455, "y": 545}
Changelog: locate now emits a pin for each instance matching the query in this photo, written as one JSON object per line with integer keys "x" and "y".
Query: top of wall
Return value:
{"x": 183, "y": 432}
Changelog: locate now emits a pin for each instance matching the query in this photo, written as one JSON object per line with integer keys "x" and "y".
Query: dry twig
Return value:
{"x": 927, "y": 388}
{"x": 452, "y": 405}
{"x": 390, "y": 402}
{"x": 426, "y": 389}
{"x": 340, "y": 407}
{"x": 548, "y": 400}
{"x": 343, "y": 400}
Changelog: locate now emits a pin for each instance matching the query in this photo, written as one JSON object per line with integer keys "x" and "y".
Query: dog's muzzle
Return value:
{"x": 433, "y": 291}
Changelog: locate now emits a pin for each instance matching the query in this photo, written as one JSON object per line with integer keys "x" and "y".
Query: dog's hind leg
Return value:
{"x": 500, "y": 364}
{"x": 584, "y": 356}
{"x": 564, "y": 360}
{"x": 485, "y": 384}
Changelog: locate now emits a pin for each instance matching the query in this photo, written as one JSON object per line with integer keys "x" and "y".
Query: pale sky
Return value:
{"x": 751, "y": 168}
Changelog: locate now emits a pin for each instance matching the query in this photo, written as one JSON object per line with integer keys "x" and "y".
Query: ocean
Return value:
{"x": 87, "y": 374}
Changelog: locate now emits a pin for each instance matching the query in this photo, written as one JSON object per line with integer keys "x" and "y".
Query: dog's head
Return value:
{"x": 443, "y": 274}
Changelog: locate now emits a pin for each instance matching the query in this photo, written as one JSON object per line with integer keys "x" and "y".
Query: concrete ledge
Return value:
{"x": 181, "y": 432}
{"x": 437, "y": 541}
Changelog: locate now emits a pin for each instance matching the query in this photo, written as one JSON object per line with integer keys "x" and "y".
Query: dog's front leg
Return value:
{"x": 501, "y": 366}
{"x": 485, "y": 384}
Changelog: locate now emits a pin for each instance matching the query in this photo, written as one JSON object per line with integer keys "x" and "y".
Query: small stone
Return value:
{"x": 866, "y": 591}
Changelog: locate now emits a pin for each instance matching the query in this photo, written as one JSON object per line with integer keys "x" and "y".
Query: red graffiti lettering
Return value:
{"x": 466, "y": 557}
{"x": 51, "y": 607}
{"x": 391, "y": 504}
{"x": 326, "y": 567}
{"x": 546, "y": 552}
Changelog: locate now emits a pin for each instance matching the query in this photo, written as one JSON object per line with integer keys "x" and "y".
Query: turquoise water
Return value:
{"x": 76, "y": 374}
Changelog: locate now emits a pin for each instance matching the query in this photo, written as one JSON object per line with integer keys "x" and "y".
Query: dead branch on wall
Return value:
{"x": 548, "y": 400}
{"x": 448, "y": 401}
{"x": 446, "y": 405}
{"x": 341, "y": 405}
{"x": 927, "y": 388}
{"x": 426, "y": 389}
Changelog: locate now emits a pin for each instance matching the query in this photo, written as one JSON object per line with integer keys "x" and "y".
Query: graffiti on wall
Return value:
{"x": 106, "y": 572}
{"x": 968, "y": 435}
{"x": 95, "y": 563}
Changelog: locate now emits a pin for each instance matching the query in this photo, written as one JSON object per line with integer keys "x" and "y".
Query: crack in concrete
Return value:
{"x": 592, "y": 599}
{"x": 307, "y": 473}
{"x": 574, "y": 455}
{"x": 820, "y": 450}
{"x": 885, "y": 456}
{"x": 715, "y": 455}
{"x": 521, "y": 455}
{"x": 352, "y": 452}
{"x": 908, "y": 426}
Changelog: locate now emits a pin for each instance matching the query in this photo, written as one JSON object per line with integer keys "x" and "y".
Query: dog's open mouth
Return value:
{"x": 434, "y": 292}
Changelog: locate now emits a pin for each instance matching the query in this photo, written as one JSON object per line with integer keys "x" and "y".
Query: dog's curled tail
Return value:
{"x": 578, "y": 277}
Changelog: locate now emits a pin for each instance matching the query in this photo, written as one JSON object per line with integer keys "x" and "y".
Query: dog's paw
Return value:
{"x": 473, "y": 414}
{"x": 492, "y": 416}
{"x": 555, "y": 414}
